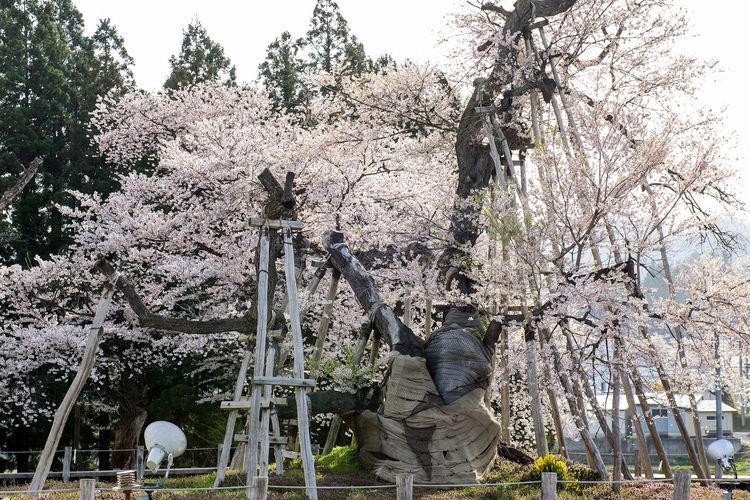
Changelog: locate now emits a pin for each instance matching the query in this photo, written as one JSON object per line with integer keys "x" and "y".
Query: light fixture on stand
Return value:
{"x": 163, "y": 440}
{"x": 722, "y": 452}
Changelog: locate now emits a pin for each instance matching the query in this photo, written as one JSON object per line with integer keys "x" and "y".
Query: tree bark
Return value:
{"x": 392, "y": 329}
{"x": 131, "y": 418}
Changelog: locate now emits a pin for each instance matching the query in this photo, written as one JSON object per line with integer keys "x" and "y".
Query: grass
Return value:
{"x": 340, "y": 468}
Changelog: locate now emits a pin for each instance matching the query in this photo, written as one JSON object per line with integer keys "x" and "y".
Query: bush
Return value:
{"x": 342, "y": 460}
{"x": 580, "y": 472}
{"x": 548, "y": 463}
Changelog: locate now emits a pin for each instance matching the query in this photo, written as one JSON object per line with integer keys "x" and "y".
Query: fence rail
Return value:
{"x": 74, "y": 462}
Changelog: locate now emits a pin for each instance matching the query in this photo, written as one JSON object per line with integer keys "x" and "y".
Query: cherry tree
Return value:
{"x": 529, "y": 209}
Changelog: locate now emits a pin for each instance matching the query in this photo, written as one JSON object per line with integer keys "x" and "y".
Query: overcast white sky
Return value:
{"x": 403, "y": 28}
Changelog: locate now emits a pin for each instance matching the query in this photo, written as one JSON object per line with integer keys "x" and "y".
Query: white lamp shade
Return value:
{"x": 719, "y": 449}
{"x": 162, "y": 439}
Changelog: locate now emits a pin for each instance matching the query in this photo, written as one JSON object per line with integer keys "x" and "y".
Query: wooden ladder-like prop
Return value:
{"x": 260, "y": 403}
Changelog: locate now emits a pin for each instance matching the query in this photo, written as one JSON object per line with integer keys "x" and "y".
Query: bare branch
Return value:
{"x": 146, "y": 318}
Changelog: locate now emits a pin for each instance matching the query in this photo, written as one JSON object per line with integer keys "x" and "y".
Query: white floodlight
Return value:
{"x": 722, "y": 451}
{"x": 163, "y": 439}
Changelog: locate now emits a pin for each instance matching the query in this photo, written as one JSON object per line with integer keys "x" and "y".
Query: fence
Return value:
{"x": 404, "y": 487}
{"x": 85, "y": 463}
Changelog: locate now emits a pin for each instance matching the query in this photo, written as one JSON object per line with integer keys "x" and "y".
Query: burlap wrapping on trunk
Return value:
{"x": 416, "y": 433}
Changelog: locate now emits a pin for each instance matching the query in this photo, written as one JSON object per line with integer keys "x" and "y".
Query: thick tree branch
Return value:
{"x": 146, "y": 318}
{"x": 398, "y": 335}
{"x": 475, "y": 166}
{"x": 340, "y": 403}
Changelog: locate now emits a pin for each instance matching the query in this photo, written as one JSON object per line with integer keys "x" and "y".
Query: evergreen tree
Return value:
{"x": 281, "y": 73}
{"x": 329, "y": 42}
{"x": 329, "y": 47}
{"x": 200, "y": 60}
{"x": 111, "y": 62}
{"x": 105, "y": 68}
{"x": 50, "y": 78}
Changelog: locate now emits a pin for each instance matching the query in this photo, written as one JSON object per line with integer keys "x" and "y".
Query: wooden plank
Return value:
{"x": 308, "y": 465}
{"x": 681, "y": 483}
{"x": 292, "y": 455}
{"x": 67, "y": 455}
{"x": 276, "y": 223}
{"x": 236, "y": 405}
{"x": 260, "y": 488}
{"x": 82, "y": 375}
{"x": 294, "y": 382}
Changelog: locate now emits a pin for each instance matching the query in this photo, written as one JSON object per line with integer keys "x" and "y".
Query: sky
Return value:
{"x": 405, "y": 29}
{"x": 153, "y": 29}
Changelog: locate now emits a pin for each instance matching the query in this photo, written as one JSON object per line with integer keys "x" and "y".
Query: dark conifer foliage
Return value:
{"x": 201, "y": 59}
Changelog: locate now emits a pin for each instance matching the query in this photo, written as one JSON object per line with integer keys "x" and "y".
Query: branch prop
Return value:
{"x": 71, "y": 396}
{"x": 7, "y": 198}
{"x": 146, "y": 318}
{"x": 399, "y": 336}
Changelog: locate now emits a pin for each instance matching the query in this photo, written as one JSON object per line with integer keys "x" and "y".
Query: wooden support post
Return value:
{"x": 549, "y": 485}
{"x": 140, "y": 463}
{"x": 333, "y": 434}
{"x": 88, "y": 489}
{"x": 325, "y": 321}
{"x": 407, "y": 309}
{"x": 617, "y": 456}
{"x": 308, "y": 465}
{"x": 251, "y": 452}
{"x": 681, "y": 485}
{"x": 66, "y": 464}
{"x": 427, "y": 319}
{"x": 82, "y": 375}
{"x": 260, "y": 488}
{"x": 221, "y": 465}
{"x": 404, "y": 486}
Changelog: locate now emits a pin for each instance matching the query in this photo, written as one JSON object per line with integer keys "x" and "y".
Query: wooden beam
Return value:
{"x": 71, "y": 396}
{"x": 276, "y": 223}
{"x": 294, "y": 382}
